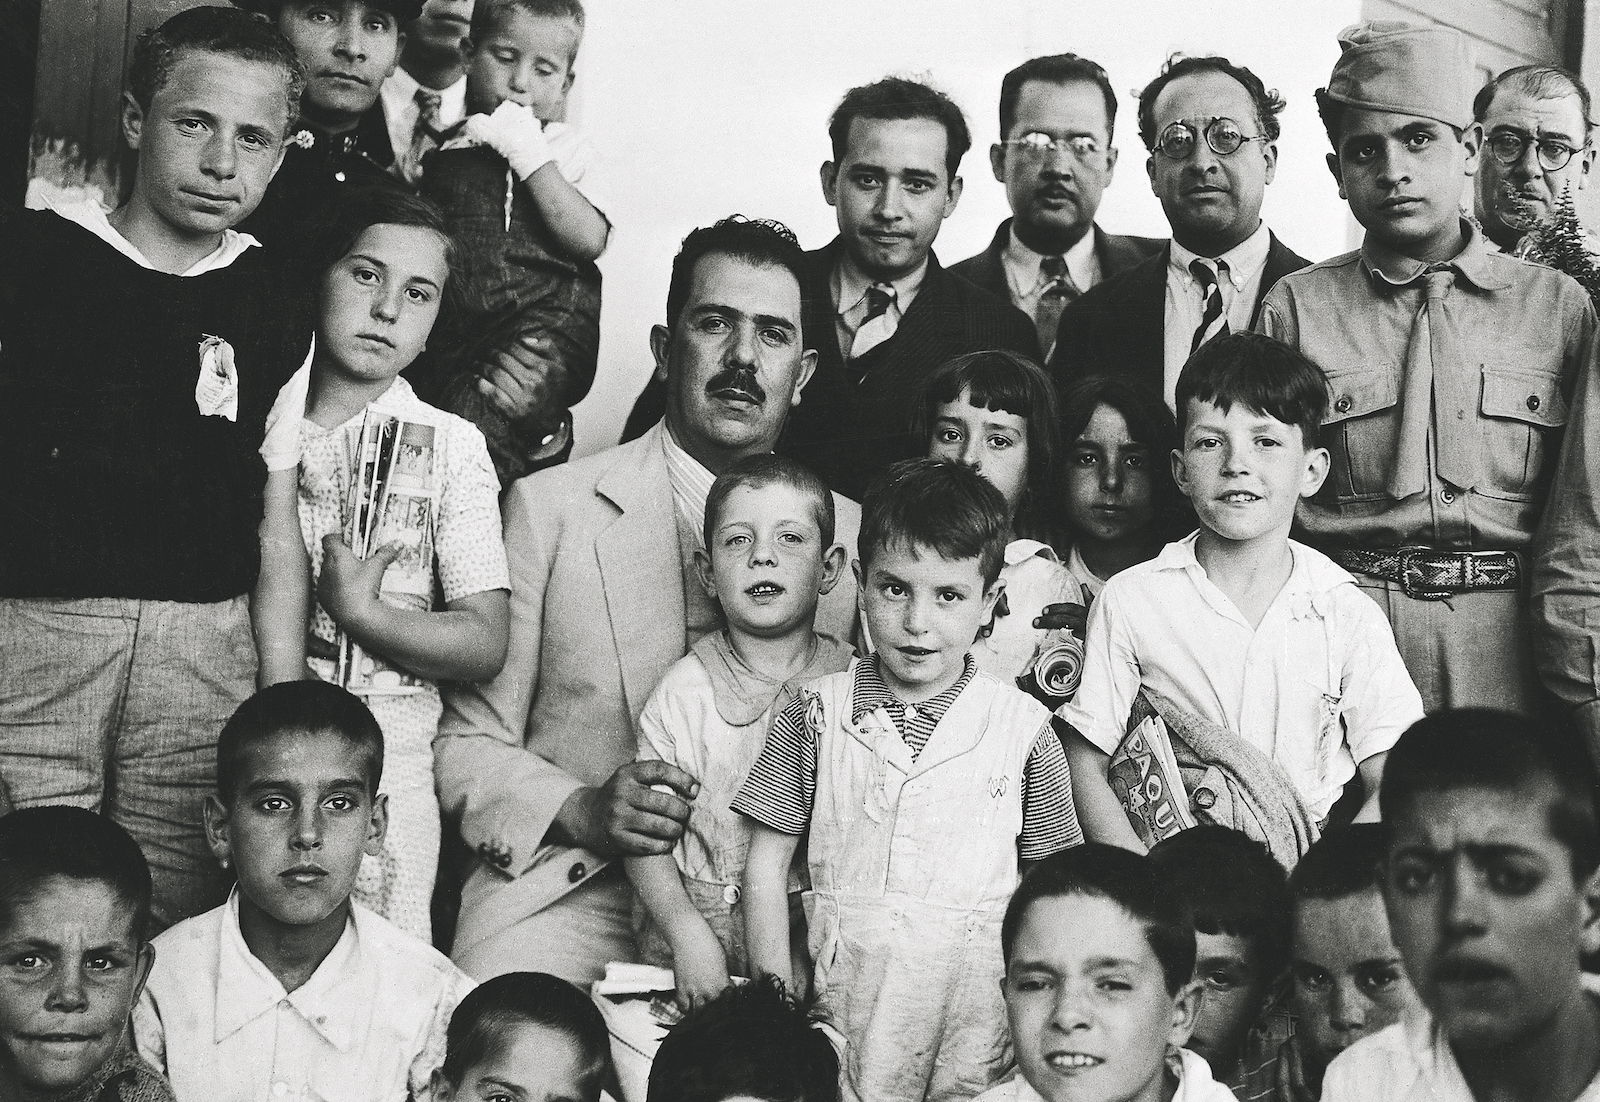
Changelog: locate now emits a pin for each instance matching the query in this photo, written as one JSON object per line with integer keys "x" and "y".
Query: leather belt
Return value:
{"x": 1427, "y": 574}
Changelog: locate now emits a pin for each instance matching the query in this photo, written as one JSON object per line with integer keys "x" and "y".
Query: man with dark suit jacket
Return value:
{"x": 1055, "y": 158}
{"x": 879, "y": 309}
{"x": 1211, "y": 128}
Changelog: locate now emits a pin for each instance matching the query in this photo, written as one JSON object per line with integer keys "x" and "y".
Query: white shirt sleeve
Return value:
{"x": 581, "y": 165}
{"x": 280, "y": 446}
{"x": 1099, "y": 710}
{"x": 1380, "y": 699}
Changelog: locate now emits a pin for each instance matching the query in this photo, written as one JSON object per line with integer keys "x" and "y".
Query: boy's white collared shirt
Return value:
{"x": 1317, "y": 686}
{"x": 1195, "y": 1084}
{"x": 1411, "y": 1061}
{"x": 369, "y": 1024}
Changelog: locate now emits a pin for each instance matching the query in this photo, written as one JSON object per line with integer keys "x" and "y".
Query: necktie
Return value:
{"x": 1059, "y": 289}
{"x": 1435, "y": 384}
{"x": 876, "y": 327}
{"x": 1211, "y": 287}
{"x": 424, "y": 135}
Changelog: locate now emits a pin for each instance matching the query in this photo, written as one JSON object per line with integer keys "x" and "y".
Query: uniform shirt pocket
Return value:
{"x": 1523, "y": 412}
{"x": 1361, "y": 429}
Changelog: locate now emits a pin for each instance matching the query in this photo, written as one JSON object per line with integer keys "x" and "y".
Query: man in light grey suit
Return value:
{"x": 537, "y": 766}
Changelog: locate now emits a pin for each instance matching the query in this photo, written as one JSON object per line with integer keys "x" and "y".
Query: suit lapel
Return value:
{"x": 1281, "y": 260}
{"x": 641, "y": 571}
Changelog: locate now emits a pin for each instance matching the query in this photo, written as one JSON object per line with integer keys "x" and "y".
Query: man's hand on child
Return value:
{"x": 1069, "y": 616}
{"x": 631, "y": 816}
{"x": 514, "y": 132}
{"x": 348, "y": 587}
{"x": 519, "y": 379}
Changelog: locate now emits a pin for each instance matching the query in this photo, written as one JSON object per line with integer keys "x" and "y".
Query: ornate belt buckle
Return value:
{"x": 1414, "y": 579}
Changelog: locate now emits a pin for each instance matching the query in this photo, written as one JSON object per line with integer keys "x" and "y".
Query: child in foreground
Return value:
{"x": 526, "y": 1036}
{"x": 1280, "y": 671}
{"x": 74, "y": 901}
{"x": 517, "y": 183}
{"x": 1492, "y": 884}
{"x": 752, "y": 1041}
{"x": 923, "y": 786}
{"x": 1098, "y": 955}
{"x": 386, "y": 269}
{"x": 769, "y": 555}
{"x": 289, "y": 990}
{"x": 1349, "y": 980}
{"x": 1237, "y": 897}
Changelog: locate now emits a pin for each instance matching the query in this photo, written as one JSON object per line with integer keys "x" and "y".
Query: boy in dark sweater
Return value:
{"x": 142, "y": 356}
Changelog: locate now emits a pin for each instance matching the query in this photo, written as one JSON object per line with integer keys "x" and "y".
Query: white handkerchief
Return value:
{"x": 216, "y": 392}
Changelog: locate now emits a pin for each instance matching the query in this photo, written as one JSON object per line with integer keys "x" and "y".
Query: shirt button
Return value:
{"x": 1343, "y": 404}
{"x": 730, "y": 894}
{"x": 1448, "y": 496}
{"x": 1533, "y": 401}
{"x": 339, "y": 176}
{"x": 575, "y": 873}
{"x": 911, "y": 711}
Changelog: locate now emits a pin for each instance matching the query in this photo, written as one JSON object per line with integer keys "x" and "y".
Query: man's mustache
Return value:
{"x": 741, "y": 380}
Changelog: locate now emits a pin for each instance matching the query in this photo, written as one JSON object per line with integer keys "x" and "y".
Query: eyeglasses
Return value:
{"x": 1036, "y": 146}
{"x": 1509, "y": 147}
{"x": 1180, "y": 139}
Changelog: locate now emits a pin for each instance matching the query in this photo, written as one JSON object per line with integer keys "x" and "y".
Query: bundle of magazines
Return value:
{"x": 392, "y": 501}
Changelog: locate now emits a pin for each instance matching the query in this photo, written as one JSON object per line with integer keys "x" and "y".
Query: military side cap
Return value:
{"x": 1386, "y": 65}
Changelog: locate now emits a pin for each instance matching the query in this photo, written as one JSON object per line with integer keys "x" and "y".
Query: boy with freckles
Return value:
{"x": 1451, "y": 368}
{"x": 1491, "y": 880}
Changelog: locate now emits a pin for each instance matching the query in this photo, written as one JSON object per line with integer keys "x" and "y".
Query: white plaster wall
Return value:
{"x": 706, "y": 107}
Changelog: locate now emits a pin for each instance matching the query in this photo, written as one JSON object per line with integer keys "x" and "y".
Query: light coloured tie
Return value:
{"x": 1211, "y": 287}
{"x": 877, "y": 326}
{"x": 1427, "y": 348}
{"x": 1059, "y": 289}
{"x": 424, "y": 134}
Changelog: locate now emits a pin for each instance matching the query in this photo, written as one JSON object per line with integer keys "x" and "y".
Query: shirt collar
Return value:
{"x": 1022, "y": 550}
{"x": 1022, "y": 263}
{"x": 869, "y": 693}
{"x": 1473, "y": 262}
{"x": 691, "y": 483}
{"x": 83, "y": 211}
{"x": 1245, "y": 260}
{"x": 330, "y": 1001}
{"x": 399, "y": 93}
{"x": 852, "y": 284}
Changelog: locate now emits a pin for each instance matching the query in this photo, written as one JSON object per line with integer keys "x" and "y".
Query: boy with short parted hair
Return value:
{"x": 289, "y": 990}
{"x": 1349, "y": 980}
{"x": 74, "y": 900}
{"x": 1238, "y": 899}
{"x": 769, "y": 556}
{"x": 527, "y": 1036}
{"x": 1451, "y": 367}
{"x": 137, "y": 436}
{"x": 922, "y": 786}
{"x": 1493, "y": 894}
{"x": 1237, "y": 626}
{"x": 515, "y": 181}
{"x": 752, "y": 1041}
{"x": 1098, "y": 954}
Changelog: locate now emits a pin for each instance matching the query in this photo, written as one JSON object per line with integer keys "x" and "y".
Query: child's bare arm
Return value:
{"x": 698, "y": 963}
{"x": 280, "y": 606}
{"x": 1099, "y": 810}
{"x": 766, "y": 902}
{"x": 464, "y": 642}
{"x": 518, "y": 136}
{"x": 1371, "y": 778}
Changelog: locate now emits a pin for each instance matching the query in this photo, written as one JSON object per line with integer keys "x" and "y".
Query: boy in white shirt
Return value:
{"x": 289, "y": 990}
{"x": 1237, "y": 624}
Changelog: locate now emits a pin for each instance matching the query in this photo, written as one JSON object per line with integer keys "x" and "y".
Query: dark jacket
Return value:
{"x": 1117, "y": 328}
{"x": 1115, "y": 252}
{"x": 847, "y": 431}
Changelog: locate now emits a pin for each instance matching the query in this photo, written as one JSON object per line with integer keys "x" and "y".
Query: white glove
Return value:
{"x": 514, "y": 132}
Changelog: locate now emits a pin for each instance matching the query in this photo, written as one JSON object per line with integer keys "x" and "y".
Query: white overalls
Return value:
{"x": 912, "y": 864}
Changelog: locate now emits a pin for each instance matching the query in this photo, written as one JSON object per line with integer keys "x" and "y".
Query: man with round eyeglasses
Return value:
{"x": 1055, "y": 158}
{"x": 1211, "y": 128}
{"x": 1532, "y": 124}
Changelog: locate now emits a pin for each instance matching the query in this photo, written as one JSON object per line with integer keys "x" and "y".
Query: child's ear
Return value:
{"x": 1589, "y": 934}
{"x": 1180, "y": 473}
{"x": 1316, "y": 471}
{"x": 1471, "y": 147}
{"x": 702, "y": 569}
{"x": 990, "y": 596}
{"x": 443, "y": 1091}
{"x": 861, "y": 588}
{"x": 142, "y": 966}
{"x": 660, "y": 342}
{"x": 1185, "y": 1012}
{"x": 215, "y": 814}
{"x": 132, "y": 120}
{"x": 833, "y": 561}
{"x": 378, "y": 825}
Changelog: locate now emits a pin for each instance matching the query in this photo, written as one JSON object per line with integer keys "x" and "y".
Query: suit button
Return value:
{"x": 730, "y": 894}
{"x": 1343, "y": 404}
{"x": 503, "y": 859}
{"x": 1447, "y": 496}
{"x": 1533, "y": 401}
{"x": 575, "y": 873}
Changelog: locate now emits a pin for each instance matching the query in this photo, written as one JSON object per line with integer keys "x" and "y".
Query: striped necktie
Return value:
{"x": 1211, "y": 287}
